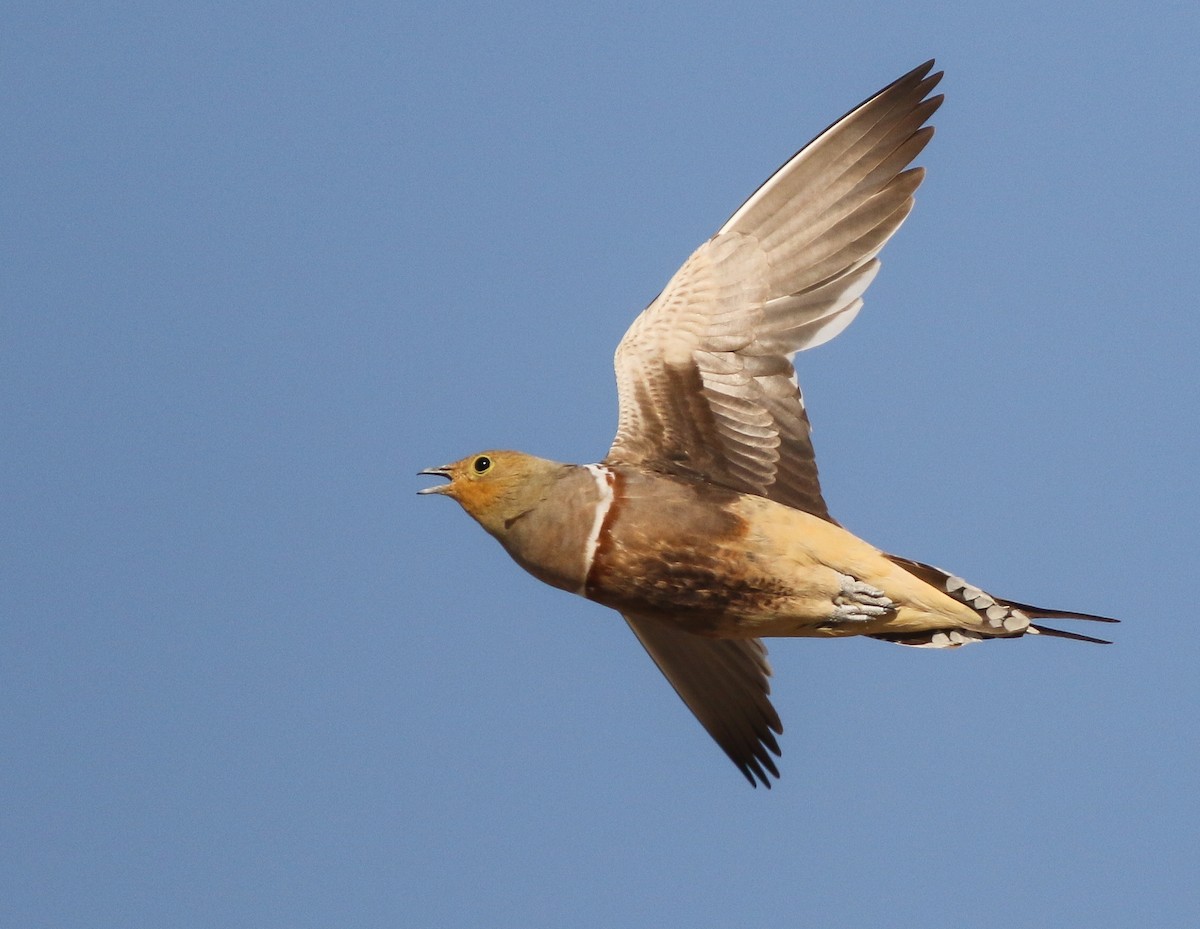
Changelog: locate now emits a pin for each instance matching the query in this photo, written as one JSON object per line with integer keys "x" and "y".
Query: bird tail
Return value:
{"x": 998, "y": 618}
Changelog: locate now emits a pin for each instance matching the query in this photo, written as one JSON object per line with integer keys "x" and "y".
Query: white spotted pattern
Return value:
{"x": 950, "y": 638}
{"x": 996, "y": 615}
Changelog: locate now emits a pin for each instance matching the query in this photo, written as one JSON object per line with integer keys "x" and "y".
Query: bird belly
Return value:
{"x": 692, "y": 557}
{"x": 867, "y": 593}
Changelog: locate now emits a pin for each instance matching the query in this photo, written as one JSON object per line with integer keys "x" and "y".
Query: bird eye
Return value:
{"x": 482, "y": 464}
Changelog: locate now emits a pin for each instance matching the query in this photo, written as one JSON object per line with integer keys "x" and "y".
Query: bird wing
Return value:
{"x": 705, "y": 375}
{"x": 724, "y": 683}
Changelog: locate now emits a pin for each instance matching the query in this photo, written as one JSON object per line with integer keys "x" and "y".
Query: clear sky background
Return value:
{"x": 264, "y": 261}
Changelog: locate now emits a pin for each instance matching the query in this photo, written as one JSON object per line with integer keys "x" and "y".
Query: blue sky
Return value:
{"x": 262, "y": 262}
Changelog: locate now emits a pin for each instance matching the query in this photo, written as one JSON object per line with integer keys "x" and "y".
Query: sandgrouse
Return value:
{"x": 705, "y": 526}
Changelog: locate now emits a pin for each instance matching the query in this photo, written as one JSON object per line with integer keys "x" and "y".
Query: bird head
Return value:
{"x": 495, "y": 487}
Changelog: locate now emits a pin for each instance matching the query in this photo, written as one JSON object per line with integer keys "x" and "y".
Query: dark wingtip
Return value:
{"x": 755, "y": 768}
{"x": 755, "y": 775}
{"x": 922, "y": 69}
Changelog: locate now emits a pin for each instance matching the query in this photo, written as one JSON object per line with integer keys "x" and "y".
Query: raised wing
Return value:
{"x": 724, "y": 682}
{"x": 705, "y": 374}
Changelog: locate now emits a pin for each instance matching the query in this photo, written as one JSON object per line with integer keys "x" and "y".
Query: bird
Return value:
{"x": 704, "y": 526}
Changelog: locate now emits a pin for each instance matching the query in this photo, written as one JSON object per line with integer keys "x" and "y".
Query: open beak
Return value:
{"x": 438, "y": 488}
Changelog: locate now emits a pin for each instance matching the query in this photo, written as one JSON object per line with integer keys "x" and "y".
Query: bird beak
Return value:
{"x": 438, "y": 488}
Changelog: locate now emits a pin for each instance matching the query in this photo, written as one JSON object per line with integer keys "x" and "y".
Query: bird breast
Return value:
{"x": 680, "y": 549}
{"x": 555, "y": 538}
{"x": 708, "y": 559}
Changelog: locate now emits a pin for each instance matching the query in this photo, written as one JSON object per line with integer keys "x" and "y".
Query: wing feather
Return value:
{"x": 705, "y": 376}
{"x": 724, "y": 682}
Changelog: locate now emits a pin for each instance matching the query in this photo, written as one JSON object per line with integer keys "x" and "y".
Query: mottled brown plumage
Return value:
{"x": 705, "y": 526}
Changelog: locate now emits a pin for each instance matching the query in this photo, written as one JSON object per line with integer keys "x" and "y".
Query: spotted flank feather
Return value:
{"x": 941, "y": 638}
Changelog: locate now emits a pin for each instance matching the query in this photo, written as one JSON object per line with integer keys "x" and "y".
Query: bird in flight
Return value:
{"x": 704, "y": 526}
